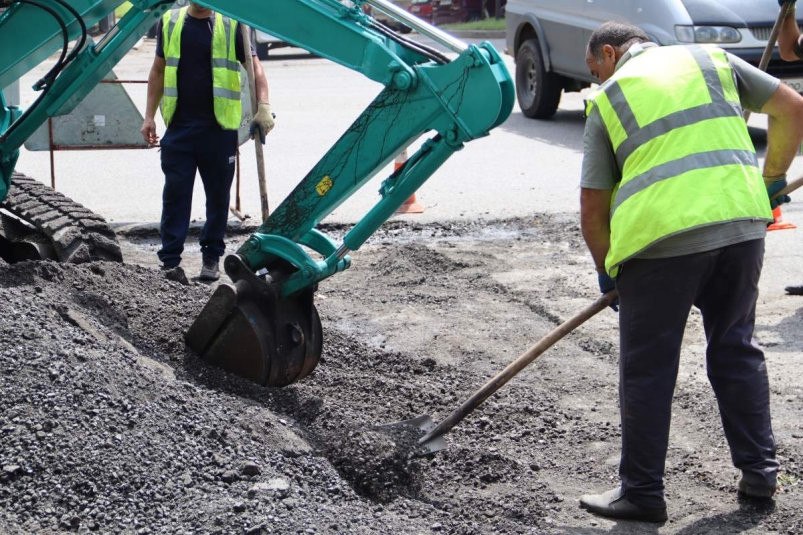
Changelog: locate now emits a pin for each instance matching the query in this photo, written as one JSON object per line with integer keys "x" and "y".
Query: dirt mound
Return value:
{"x": 108, "y": 424}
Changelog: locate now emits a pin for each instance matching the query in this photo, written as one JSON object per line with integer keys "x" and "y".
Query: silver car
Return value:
{"x": 548, "y": 38}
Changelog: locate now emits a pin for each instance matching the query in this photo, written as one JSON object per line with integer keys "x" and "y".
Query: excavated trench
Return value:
{"x": 109, "y": 424}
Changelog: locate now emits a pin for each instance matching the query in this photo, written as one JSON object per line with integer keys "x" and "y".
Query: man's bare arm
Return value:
{"x": 260, "y": 82}
{"x": 785, "y": 130}
{"x": 595, "y": 205}
{"x": 156, "y": 79}
{"x": 788, "y": 37}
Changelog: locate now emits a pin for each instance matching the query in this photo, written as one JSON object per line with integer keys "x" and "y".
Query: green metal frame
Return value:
{"x": 457, "y": 101}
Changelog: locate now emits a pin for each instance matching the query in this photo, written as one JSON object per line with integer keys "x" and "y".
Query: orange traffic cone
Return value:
{"x": 410, "y": 206}
{"x": 779, "y": 223}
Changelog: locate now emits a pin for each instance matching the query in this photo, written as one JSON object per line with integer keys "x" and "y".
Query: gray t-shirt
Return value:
{"x": 600, "y": 170}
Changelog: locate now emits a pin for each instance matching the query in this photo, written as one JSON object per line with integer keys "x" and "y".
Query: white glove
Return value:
{"x": 262, "y": 122}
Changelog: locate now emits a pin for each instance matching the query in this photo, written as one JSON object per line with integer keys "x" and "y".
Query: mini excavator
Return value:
{"x": 263, "y": 325}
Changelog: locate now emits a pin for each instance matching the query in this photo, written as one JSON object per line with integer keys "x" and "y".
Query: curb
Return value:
{"x": 478, "y": 34}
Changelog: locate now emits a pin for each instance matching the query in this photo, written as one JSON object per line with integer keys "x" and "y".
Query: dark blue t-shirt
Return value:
{"x": 195, "y": 105}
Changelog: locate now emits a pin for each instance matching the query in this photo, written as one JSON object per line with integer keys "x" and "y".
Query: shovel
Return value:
{"x": 433, "y": 440}
{"x": 767, "y": 54}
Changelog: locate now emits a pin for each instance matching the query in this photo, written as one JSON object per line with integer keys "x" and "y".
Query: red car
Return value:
{"x": 449, "y": 11}
{"x": 438, "y": 11}
{"x": 422, "y": 9}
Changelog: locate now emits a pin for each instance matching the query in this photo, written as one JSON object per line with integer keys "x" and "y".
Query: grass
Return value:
{"x": 484, "y": 25}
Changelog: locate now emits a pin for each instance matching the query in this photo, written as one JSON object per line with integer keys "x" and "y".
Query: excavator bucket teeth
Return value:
{"x": 246, "y": 329}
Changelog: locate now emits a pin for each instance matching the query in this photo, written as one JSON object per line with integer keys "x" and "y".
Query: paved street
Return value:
{"x": 524, "y": 167}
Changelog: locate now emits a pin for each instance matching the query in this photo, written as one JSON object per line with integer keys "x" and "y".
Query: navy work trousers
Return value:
{"x": 656, "y": 297}
{"x": 210, "y": 151}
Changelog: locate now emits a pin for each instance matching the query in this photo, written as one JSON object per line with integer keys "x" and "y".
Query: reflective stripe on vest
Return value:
{"x": 676, "y": 126}
{"x": 225, "y": 68}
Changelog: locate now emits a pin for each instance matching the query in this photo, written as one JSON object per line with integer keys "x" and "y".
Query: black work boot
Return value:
{"x": 794, "y": 290}
{"x": 210, "y": 270}
{"x": 749, "y": 487}
{"x": 614, "y": 504}
{"x": 175, "y": 274}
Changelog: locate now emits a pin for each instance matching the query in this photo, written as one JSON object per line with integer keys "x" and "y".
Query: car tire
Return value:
{"x": 263, "y": 51}
{"x": 537, "y": 90}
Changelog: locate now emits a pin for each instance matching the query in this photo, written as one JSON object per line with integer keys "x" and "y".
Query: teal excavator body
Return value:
{"x": 263, "y": 325}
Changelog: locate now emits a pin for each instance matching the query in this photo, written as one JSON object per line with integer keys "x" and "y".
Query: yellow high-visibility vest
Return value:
{"x": 225, "y": 68}
{"x": 676, "y": 126}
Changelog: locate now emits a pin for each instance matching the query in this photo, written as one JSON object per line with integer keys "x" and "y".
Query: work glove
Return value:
{"x": 606, "y": 285}
{"x": 774, "y": 188}
{"x": 263, "y": 122}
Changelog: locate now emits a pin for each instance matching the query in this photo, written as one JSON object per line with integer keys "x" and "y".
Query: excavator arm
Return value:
{"x": 264, "y": 325}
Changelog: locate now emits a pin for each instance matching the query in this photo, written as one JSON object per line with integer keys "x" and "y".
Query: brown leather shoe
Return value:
{"x": 794, "y": 290}
{"x": 614, "y": 504}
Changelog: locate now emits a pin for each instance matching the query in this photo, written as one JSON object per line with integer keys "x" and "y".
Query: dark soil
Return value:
{"x": 109, "y": 424}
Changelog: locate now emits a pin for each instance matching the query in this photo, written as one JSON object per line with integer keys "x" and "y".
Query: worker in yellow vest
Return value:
{"x": 674, "y": 209}
{"x": 196, "y": 78}
{"x": 791, "y": 49}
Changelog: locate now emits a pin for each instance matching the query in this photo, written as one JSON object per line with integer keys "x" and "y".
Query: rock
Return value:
{"x": 278, "y": 487}
{"x": 239, "y": 507}
{"x": 256, "y": 530}
{"x": 12, "y": 469}
{"x": 250, "y": 469}
{"x": 229, "y": 476}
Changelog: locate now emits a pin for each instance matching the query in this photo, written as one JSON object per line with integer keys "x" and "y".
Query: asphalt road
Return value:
{"x": 523, "y": 167}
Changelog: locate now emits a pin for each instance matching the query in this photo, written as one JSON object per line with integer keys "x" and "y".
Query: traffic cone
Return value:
{"x": 410, "y": 206}
{"x": 779, "y": 223}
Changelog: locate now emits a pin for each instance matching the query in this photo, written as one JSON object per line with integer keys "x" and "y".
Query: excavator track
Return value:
{"x": 77, "y": 234}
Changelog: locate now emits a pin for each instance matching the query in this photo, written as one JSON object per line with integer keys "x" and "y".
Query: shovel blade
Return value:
{"x": 425, "y": 424}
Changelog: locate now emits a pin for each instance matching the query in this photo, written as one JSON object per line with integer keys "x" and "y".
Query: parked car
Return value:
{"x": 421, "y": 9}
{"x": 450, "y": 11}
{"x": 548, "y": 39}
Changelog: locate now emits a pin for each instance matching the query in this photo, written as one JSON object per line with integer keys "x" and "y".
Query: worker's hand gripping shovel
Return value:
{"x": 433, "y": 440}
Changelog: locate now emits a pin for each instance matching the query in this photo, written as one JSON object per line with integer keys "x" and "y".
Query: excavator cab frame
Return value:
{"x": 264, "y": 325}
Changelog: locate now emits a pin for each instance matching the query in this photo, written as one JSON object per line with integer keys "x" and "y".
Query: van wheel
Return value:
{"x": 537, "y": 90}
{"x": 263, "y": 51}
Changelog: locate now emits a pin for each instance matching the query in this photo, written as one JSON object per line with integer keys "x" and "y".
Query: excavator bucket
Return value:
{"x": 247, "y": 329}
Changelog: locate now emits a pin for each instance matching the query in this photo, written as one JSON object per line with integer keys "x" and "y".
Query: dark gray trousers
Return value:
{"x": 656, "y": 297}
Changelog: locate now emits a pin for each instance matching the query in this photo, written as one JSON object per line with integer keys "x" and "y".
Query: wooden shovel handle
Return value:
{"x": 249, "y": 68}
{"x": 790, "y": 187}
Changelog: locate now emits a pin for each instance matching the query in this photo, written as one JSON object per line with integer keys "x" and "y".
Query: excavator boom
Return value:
{"x": 264, "y": 324}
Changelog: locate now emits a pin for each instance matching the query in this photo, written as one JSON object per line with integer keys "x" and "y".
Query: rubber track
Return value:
{"x": 78, "y": 234}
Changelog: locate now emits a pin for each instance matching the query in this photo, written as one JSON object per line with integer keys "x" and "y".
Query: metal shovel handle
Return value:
{"x": 519, "y": 364}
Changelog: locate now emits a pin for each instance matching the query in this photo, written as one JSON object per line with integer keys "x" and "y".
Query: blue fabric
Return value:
{"x": 656, "y": 298}
{"x": 195, "y": 105}
{"x": 185, "y": 150}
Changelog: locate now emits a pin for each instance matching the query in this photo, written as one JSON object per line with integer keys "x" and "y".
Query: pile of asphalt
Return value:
{"x": 108, "y": 424}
